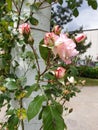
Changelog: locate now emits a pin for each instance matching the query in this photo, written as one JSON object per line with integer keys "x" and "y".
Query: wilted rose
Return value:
{"x": 60, "y": 72}
{"x": 65, "y": 48}
{"x": 57, "y": 29}
{"x": 24, "y": 29}
{"x": 80, "y": 38}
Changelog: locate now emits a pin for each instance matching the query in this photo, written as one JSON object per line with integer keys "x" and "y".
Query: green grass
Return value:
{"x": 90, "y": 82}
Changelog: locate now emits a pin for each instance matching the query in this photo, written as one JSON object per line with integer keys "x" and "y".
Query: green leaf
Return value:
{"x": 33, "y": 21}
{"x": 75, "y": 12}
{"x": 44, "y": 51}
{"x": 35, "y": 106}
{"x": 27, "y": 54}
{"x": 1, "y": 100}
{"x": 93, "y": 4}
{"x": 59, "y": 107}
{"x": 12, "y": 122}
{"x": 73, "y": 71}
{"x": 9, "y": 4}
{"x": 35, "y": 6}
{"x": 52, "y": 119}
{"x": 10, "y": 84}
{"x": 49, "y": 1}
{"x": 31, "y": 88}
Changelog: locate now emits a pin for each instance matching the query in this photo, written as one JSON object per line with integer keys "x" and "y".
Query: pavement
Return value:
{"x": 85, "y": 110}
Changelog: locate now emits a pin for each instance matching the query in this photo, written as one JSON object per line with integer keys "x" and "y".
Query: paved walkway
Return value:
{"x": 85, "y": 110}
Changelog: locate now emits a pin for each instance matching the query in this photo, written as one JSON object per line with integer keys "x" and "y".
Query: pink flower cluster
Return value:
{"x": 61, "y": 45}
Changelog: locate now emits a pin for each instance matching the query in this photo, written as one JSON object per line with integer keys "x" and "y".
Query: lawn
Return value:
{"x": 90, "y": 82}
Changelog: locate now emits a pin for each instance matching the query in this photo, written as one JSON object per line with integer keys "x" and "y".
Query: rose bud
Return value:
{"x": 24, "y": 29}
{"x": 60, "y": 72}
{"x": 80, "y": 38}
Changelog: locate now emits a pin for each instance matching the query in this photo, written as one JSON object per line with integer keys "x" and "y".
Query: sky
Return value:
{"x": 88, "y": 19}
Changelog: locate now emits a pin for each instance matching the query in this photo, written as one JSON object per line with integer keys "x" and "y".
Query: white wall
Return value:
{"x": 92, "y": 36}
{"x": 43, "y": 16}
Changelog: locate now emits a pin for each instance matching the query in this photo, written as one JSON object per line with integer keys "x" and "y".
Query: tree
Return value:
{"x": 63, "y": 12}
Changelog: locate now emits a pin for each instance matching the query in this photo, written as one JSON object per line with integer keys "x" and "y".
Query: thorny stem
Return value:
{"x": 45, "y": 7}
{"x": 15, "y": 5}
{"x": 21, "y": 106}
{"x": 41, "y": 127}
{"x": 20, "y": 13}
{"x": 47, "y": 64}
{"x": 38, "y": 67}
{"x": 22, "y": 122}
{"x": 39, "y": 29}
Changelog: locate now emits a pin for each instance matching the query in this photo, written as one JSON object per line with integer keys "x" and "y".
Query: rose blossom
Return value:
{"x": 24, "y": 28}
{"x": 50, "y": 38}
{"x": 57, "y": 29}
{"x": 60, "y": 72}
{"x": 65, "y": 48}
{"x": 79, "y": 38}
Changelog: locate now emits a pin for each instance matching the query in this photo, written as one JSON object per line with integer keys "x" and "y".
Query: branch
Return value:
{"x": 39, "y": 29}
{"x": 47, "y": 64}
{"x": 20, "y": 13}
{"x": 45, "y": 7}
{"x": 15, "y": 5}
{"x": 38, "y": 67}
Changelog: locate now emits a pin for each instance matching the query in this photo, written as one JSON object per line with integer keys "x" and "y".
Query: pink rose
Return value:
{"x": 24, "y": 29}
{"x": 49, "y": 39}
{"x": 60, "y": 72}
{"x": 80, "y": 38}
{"x": 57, "y": 29}
{"x": 65, "y": 48}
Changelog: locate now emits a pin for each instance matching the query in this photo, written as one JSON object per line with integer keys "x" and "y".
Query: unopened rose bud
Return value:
{"x": 24, "y": 29}
{"x": 66, "y": 92}
{"x": 60, "y": 72}
{"x": 80, "y": 38}
{"x": 67, "y": 83}
{"x": 57, "y": 29}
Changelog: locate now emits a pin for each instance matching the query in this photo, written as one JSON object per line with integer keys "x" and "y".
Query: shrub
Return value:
{"x": 87, "y": 71}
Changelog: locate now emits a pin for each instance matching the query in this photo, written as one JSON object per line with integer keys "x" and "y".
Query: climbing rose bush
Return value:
{"x": 52, "y": 84}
